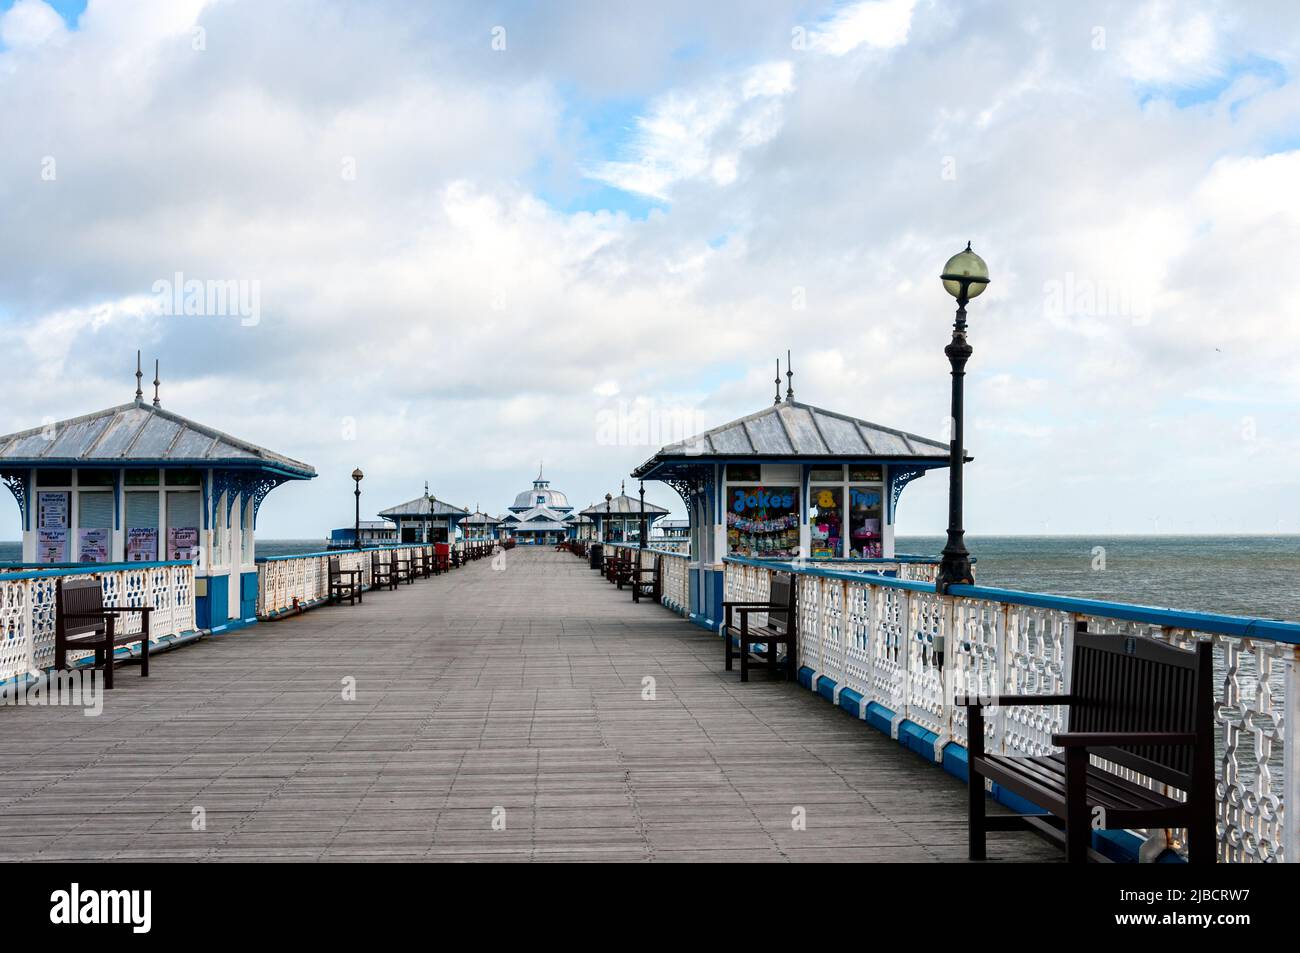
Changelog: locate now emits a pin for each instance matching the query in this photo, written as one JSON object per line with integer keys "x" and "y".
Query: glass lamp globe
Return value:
{"x": 357, "y": 474}
{"x": 965, "y": 271}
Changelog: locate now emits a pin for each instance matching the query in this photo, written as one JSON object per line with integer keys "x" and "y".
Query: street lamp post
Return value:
{"x": 965, "y": 276}
{"x": 357, "y": 476}
{"x": 604, "y": 530}
{"x": 641, "y": 527}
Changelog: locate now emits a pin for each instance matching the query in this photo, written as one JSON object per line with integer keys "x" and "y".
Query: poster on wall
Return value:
{"x": 52, "y": 511}
{"x": 93, "y": 545}
{"x": 52, "y": 527}
{"x": 52, "y": 546}
{"x": 141, "y": 545}
{"x": 182, "y": 541}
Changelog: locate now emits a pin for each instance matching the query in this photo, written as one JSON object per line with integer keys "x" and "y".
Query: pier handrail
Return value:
{"x": 1276, "y": 630}
{"x": 899, "y": 655}
{"x": 27, "y": 601}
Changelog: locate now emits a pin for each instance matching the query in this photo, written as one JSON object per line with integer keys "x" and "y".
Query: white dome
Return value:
{"x": 541, "y": 495}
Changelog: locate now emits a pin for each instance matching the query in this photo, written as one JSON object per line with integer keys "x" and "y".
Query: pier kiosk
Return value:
{"x": 425, "y": 519}
{"x": 620, "y": 520}
{"x": 791, "y": 480}
{"x": 479, "y": 526}
{"x": 136, "y": 483}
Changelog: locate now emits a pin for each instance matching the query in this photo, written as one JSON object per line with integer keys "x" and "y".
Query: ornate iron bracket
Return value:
{"x": 16, "y": 480}
{"x": 899, "y": 477}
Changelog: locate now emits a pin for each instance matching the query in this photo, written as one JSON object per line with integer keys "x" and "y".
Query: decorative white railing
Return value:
{"x": 898, "y": 644}
{"x": 681, "y": 546}
{"x": 675, "y": 579}
{"x": 27, "y": 607}
{"x": 290, "y": 583}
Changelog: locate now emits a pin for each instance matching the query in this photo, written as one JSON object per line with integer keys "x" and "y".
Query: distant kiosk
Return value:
{"x": 620, "y": 521}
{"x": 787, "y": 481}
{"x": 480, "y": 526}
{"x": 139, "y": 484}
{"x": 425, "y": 519}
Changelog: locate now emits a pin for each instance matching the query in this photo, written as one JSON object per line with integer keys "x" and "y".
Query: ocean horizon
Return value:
{"x": 1233, "y": 574}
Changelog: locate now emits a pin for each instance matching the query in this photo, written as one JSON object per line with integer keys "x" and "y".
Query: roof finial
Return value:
{"x": 778, "y": 383}
{"x": 156, "y": 382}
{"x": 789, "y": 377}
{"x": 622, "y": 487}
{"x": 139, "y": 376}
{"x": 426, "y": 487}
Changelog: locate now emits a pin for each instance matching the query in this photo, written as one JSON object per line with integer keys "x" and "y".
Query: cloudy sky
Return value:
{"x": 482, "y": 235}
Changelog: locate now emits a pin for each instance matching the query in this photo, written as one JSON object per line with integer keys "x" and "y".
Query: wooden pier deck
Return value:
{"x": 479, "y": 690}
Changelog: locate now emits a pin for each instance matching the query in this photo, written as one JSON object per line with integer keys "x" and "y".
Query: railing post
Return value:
{"x": 1291, "y": 756}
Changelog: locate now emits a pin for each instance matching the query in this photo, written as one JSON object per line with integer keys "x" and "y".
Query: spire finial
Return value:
{"x": 778, "y": 383}
{"x": 139, "y": 376}
{"x": 426, "y": 487}
{"x": 789, "y": 378}
{"x": 156, "y": 382}
{"x": 622, "y": 487}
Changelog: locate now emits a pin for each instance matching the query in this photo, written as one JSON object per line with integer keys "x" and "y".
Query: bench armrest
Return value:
{"x": 118, "y": 610}
{"x": 1121, "y": 739}
{"x": 998, "y": 701}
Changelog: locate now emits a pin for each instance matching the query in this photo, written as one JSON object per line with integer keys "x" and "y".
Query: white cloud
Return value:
{"x": 1163, "y": 44}
{"x": 700, "y": 132}
{"x": 877, "y": 24}
{"x": 470, "y": 327}
{"x": 30, "y": 23}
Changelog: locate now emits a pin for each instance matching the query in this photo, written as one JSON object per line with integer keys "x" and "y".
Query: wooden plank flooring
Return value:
{"x": 518, "y": 690}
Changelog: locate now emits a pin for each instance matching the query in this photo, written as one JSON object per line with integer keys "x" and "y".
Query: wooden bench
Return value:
{"x": 403, "y": 568}
{"x": 779, "y": 630}
{"x": 645, "y": 580}
{"x": 382, "y": 572}
{"x": 83, "y": 622}
{"x": 1135, "y": 703}
{"x": 343, "y": 582}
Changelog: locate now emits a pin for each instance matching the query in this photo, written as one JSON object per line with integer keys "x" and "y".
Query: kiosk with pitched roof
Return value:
{"x": 425, "y": 519}
{"x": 789, "y": 481}
{"x": 618, "y": 520}
{"x": 139, "y": 484}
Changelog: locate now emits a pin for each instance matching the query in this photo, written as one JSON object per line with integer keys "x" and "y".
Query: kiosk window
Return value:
{"x": 826, "y": 522}
{"x": 142, "y": 526}
{"x": 763, "y": 520}
{"x": 182, "y": 525}
{"x": 864, "y": 522}
{"x": 94, "y": 526}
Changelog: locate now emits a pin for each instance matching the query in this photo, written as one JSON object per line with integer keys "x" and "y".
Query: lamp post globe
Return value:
{"x": 604, "y": 534}
{"x": 357, "y": 477}
{"x": 964, "y": 276}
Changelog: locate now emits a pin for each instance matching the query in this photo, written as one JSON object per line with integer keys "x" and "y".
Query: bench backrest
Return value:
{"x": 80, "y": 605}
{"x": 1126, "y": 683}
{"x": 779, "y": 593}
{"x": 333, "y": 566}
{"x": 375, "y": 564}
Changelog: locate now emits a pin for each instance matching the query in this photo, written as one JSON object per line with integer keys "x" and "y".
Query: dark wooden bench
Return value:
{"x": 645, "y": 579}
{"x": 779, "y": 630}
{"x": 403, "y": 567}
{"x": 83, "y": 622}
{"x": 1136, "y": 703}
{"x": 382, "y": 572}
{"x": 343, "y": 582}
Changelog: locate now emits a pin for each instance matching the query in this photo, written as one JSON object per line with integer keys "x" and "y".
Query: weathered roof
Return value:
{"x": 622, "y": 505}
{"x": 479, "y": 517}
{"x": 792, "y": 429}
{"x": 420, "y": 506}
{"x": 139, "y": 433}
{"x": 540, "y": 526}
